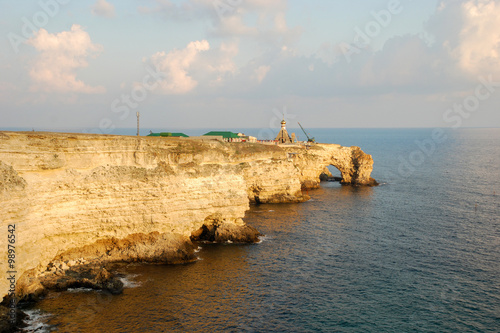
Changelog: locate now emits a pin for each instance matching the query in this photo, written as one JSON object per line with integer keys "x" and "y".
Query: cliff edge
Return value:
{"x": 80, "y": 200}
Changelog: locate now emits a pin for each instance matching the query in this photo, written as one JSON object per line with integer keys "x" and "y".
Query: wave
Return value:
{"x": 80, "y": 290}
{"x": 129, "y": 282}
{"x": 36, "y": 321}
{"x": 264, "y": 239}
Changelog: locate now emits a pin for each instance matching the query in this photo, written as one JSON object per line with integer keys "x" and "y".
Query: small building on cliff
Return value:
{"x": 169, "y": 135}
{"x": 226, "y": 135}
{"x": 247, "y": 138}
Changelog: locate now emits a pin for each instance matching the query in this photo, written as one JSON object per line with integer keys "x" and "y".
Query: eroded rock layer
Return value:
{"x": 78, "y": 198}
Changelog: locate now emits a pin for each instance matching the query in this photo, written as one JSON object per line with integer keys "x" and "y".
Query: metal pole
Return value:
{"x": 137, "y": 123}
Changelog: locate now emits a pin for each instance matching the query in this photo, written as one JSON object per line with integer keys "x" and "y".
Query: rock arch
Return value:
{"x": 354, "y": 165}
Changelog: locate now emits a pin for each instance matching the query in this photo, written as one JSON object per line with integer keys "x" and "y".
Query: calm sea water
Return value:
{"x": 420, "y": 253}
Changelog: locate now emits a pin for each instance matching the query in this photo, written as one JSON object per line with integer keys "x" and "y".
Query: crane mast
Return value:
{"x": 309, "y": 139}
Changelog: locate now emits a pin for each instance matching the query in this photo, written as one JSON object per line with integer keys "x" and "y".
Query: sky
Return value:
{"x": 245, "y": 63}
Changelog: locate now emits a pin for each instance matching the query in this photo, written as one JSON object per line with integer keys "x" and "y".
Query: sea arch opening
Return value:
{"x": 331, "y": 173}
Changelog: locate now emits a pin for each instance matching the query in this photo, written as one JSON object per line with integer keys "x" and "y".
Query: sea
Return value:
{"x": 419, "y": 253}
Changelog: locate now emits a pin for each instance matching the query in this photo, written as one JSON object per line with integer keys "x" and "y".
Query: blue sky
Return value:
{"x": 239, "y": 63}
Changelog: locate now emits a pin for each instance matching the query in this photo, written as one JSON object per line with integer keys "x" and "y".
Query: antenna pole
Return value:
{"x": 138, "y": 123}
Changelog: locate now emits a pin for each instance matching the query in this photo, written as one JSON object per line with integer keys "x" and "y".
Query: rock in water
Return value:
{"x": 228, "y": 232}
{"x": 87, "y": 276}
{"x": 216, "y": 229}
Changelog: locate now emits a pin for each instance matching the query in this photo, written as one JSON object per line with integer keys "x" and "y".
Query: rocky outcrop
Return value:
{"x": 100, "y": 199}
{"x": 11, "y": 322}
{"x": 215, "y": 229}
{"x": 354, "y": 165}
{"x": 84, "y": 275}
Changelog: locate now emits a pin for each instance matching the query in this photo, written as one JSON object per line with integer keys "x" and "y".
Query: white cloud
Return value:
{"x": 468, "y": 35}
{"x": 261, "y": 72}
{"x": 479, "y": 50}
{"x": 60, "y": 56}
{"x": 465, "y": 44}
{"x": 175, "y": 66}
{"x": 262, "y": 20}
{"x": 460, "y": 43}
{"x": 217, "y": 65}
{"x": 258, "y": 26}
{"x": 103, "y": 8}
{"x": 198, "y": 63}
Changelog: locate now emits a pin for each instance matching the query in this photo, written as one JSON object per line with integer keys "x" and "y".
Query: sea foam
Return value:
{"x": 36, "y": 321}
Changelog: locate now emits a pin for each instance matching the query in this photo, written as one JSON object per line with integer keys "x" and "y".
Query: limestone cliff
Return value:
{"x": 78, "y": 197}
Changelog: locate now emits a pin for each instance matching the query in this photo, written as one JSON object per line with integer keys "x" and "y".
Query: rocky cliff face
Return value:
{"x": 77, "y": 198}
